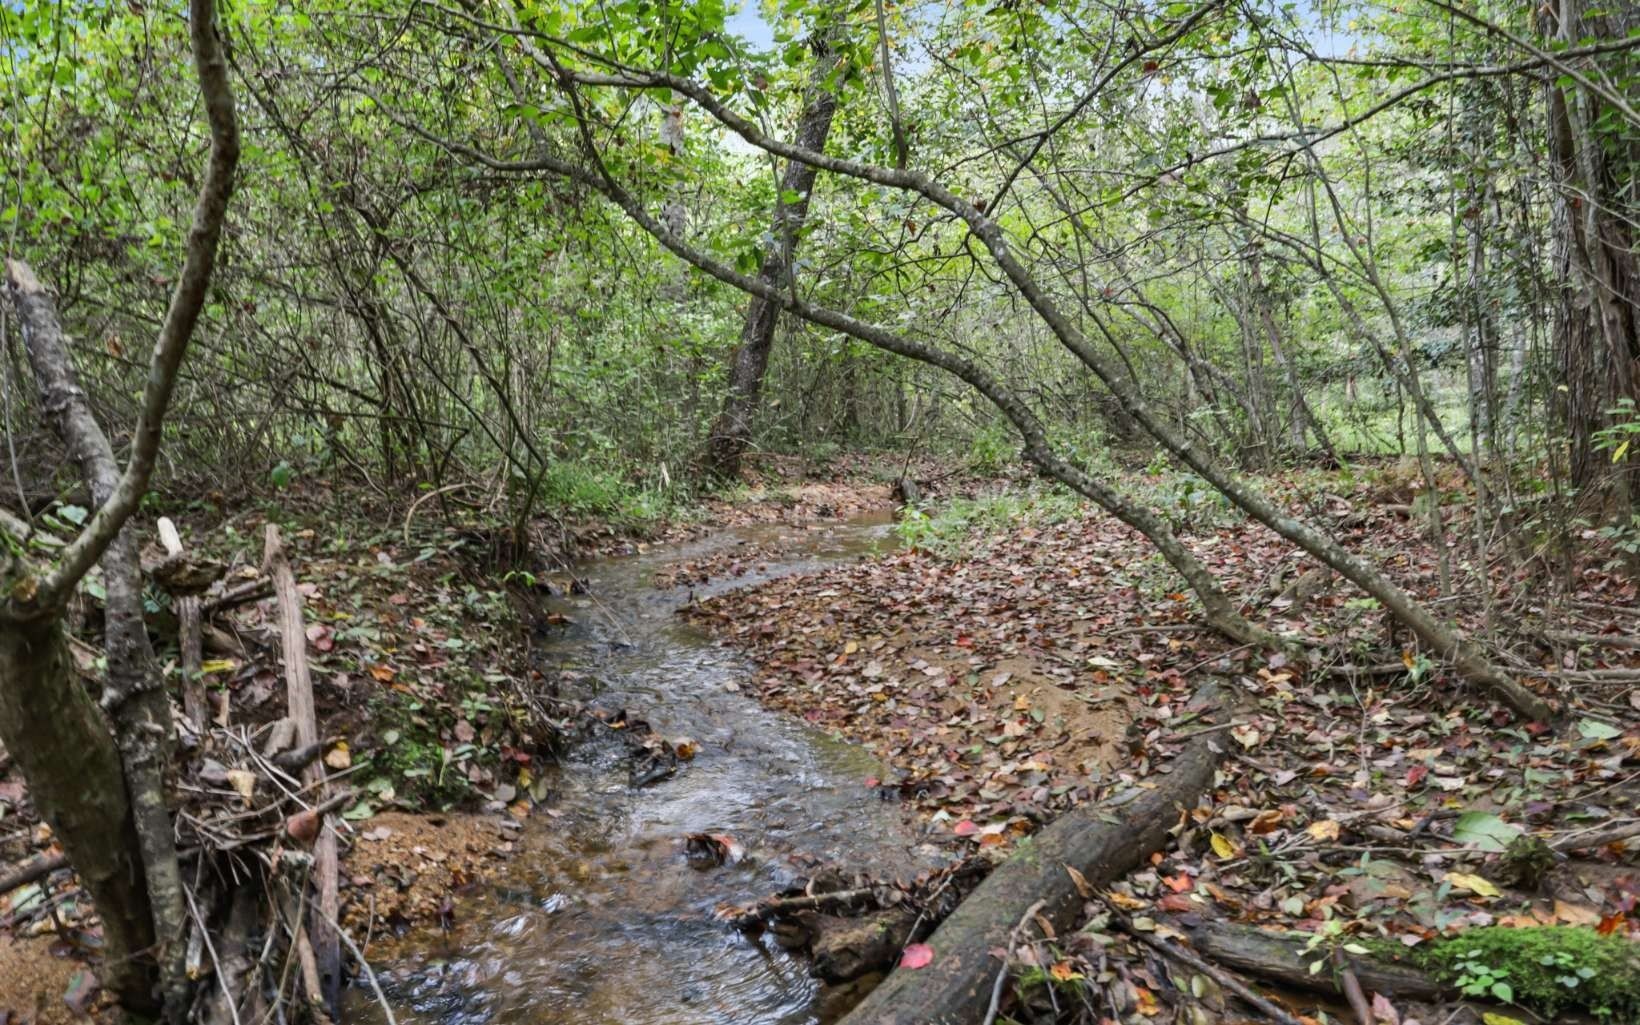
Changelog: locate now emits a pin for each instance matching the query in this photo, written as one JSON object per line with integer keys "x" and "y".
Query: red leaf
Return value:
{"x": 917, "y": 955}
{"x": 1611, "y": 923}
{"x": 966, "y": 828}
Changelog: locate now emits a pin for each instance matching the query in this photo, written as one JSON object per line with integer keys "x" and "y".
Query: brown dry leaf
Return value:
{"x": 303, "y": 827}
{"x": 1576, "y": 914}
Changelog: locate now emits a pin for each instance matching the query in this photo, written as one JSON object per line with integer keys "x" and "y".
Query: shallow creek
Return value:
{"x": 599, "y": 916}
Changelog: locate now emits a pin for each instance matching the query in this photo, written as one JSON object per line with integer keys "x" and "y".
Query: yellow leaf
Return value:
{"x": 851, "y": 647}
{"x": 339, "y": 757}
{"x": 218, "y": 665}
{"x": 1223, "y": 847}
{"x": 1324, "y": 830}
{"x": 243, "y": 782}
{"x": 1494, "y": 1018}
{"x": 1125, "y": 901}
{"x": 1475, "y": 884}
{"x": 1622, "y": 450}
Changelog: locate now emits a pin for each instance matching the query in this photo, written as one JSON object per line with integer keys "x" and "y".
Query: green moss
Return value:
{"x": 1547, "y": 969}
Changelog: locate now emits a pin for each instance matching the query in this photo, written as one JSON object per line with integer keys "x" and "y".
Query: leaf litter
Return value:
{"x": 1044, "y": 664}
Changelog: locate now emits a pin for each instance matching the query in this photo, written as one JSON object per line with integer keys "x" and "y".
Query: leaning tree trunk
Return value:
{"x": 106, "y": 800}
{"x": 732, "y": 432}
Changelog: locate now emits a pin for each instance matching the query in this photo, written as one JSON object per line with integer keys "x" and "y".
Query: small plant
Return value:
{"x": 1548, "y": 969}
{"x": 1476, "y": 978}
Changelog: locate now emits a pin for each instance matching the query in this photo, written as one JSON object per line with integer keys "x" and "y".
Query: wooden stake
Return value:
{"x": 299, "y": 706}
{"x": 194, "y": 706}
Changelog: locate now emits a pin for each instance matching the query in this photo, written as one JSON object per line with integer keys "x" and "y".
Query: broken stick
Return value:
{"x": 299, "y": 706}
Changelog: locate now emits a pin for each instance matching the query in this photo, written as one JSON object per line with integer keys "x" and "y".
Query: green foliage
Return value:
{"x": 994, "y": 449}
{"x": 1548, "y": 969}
{"x": 964, "y": 522}
{"x": 581, "y": 489}
{"x": 411, "y": 760}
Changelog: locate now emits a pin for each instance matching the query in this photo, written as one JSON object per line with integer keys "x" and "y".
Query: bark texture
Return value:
{"x": 63, "y": 745}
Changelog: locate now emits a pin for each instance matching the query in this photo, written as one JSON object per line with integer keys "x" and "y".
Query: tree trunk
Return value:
{"x": 732, "y": 433}
{"x": 60, "y": 740}
{"x": 134, "y": 695}
{"x": 1597, "y": 342}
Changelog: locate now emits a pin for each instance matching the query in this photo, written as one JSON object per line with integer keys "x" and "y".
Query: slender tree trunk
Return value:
{"x": 732, "y": 433}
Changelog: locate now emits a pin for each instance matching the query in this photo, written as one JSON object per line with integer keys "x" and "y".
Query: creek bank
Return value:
{"x": 1351, "y": 799}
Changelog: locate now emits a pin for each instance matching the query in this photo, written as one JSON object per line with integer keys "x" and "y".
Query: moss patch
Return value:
{"x": 1547, "y": 969}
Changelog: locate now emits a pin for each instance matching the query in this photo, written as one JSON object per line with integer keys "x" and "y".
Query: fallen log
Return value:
{"x": 1100, "y": 842}
{"x": 1282, "y": 957}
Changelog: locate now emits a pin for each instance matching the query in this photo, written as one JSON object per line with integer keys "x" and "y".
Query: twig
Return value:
{"x": 369, "y": 973}
{"x": 411, "y": 512}
{"x": 210, "y": 948}
{"x": 1002, "y": 973}
{"x": 1594, "y": 836}
{"x": 39, "y": 867}
{"x": 1352, "y": 989}
{"x": 807, "y": 902}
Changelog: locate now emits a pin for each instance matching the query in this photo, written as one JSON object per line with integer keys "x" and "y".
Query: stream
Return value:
{"x": 599, "y": 917}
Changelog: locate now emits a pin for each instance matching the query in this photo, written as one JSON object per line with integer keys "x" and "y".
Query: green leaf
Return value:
{"x": 1484, "y": 830}
{"x": 1594, "y": 729}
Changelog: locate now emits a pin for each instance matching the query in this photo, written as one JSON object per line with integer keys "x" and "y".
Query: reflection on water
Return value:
{"x": 601, "y": 919}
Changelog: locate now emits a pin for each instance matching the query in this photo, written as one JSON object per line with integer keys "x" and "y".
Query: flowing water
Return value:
{"x": 601, "y": 918}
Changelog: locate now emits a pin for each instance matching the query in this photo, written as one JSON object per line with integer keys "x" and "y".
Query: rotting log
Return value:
{"x": 1282, "y": 957}
{"x": 1100, "y": 841}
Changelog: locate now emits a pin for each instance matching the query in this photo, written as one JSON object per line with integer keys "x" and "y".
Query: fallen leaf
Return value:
{"x": 1484, "y": 830}
{"x": 917, "y": 955}
{"x": 1475, "y": 884}
{"x": 303, "y": 827}
{"x": 1324, "y": 831}
{"x": 1576, "y": 914}
{"x": 1064, "y": 972}
{"x": 339, "y": 757}
{"x": 1080, "y": 881}
{"x": 243, "y": 782}
{"x": 1223, "y": 847}
{"x": 82, "y": 986}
